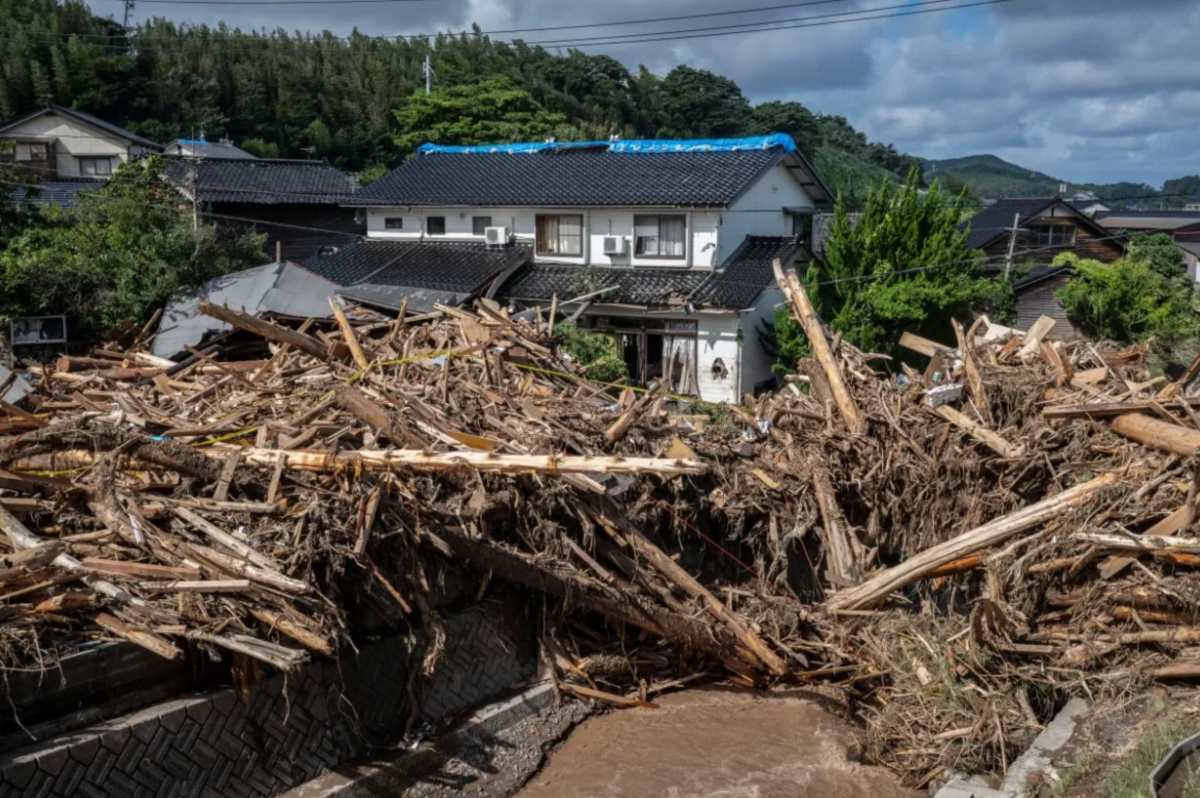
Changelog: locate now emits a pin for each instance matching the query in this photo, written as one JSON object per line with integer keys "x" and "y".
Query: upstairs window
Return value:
{"x": 32, "y": 151}
{"x": 95, "y": 167}
{"x": 435, "y": 225}
{"x": 660, "y": 236}
{"x": 480, "y": 224}
{"x": 1052, "y": 235}
{"x": 393, "y": 223}
{"x": 560, "y": 235}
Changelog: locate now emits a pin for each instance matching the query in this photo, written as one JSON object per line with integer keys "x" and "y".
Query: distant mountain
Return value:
{"x": 990, "y": 177}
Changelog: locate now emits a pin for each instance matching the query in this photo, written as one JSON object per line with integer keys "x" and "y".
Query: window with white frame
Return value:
{"x": 393, "y": 223}
{"x": 560, "y": 234}
{"x": 435, "y": 225}
{"x": 95, "y": 167}
{"x": 660, "y": 236}
{"x": 480, "y": 224}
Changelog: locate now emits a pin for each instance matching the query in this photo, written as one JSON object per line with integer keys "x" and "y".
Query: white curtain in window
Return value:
{"x": 645, "y": 232}
{"x": 671, "y": 234}
{"x": 570, "y": 235}
{"x": 679, "y": 367}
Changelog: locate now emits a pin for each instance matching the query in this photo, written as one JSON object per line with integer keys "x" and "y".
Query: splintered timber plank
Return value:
{"x": 880, "y": 586}
{"x": 382, "y": 460}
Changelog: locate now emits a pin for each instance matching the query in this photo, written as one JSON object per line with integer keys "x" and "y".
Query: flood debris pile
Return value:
{"x": 960, "y": 546}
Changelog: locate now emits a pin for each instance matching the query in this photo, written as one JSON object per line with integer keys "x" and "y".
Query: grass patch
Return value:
{"x": 1131, "y": 778}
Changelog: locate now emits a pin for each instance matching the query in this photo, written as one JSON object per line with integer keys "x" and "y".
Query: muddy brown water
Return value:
{"x": 715, "y": 743}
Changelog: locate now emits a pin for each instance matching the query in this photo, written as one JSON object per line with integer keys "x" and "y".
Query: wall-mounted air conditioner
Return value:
{"x": 495, "y": 236}
{"x": 614, "y": 245}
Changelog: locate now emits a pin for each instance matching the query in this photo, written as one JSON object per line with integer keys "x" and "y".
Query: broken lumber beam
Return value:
{"x": 420, "y": 460}
{"x": 977, "y": 431}
{"x": 266, "y": 329}
{"x": 356, "y": 350}
{"x": 294, "y": 629}
{"x": 1105, "y": 409}
{"x": 627, "y": 419}
{"x": 220, "y": 536}
{"x": 924, "y": 346}
{"x": 147, "y": 640}
{"x": 995, "y": 531}
{"x": 138, "y": 570}
{"x": 1159, "y": 434}
{"x": 1146, "y": 543}
{"x": 1032, "y": 343}
{"x": 807, "y": 316}
{"x": 263, "y": 576}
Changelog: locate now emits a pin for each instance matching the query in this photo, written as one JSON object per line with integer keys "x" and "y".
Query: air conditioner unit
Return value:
{"x": 614, "y": 245}
{"x": 495, "y": 236}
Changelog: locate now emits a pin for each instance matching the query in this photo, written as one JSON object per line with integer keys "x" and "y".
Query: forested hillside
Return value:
{"x": 337, "y": 98}
{"x": 990, "y": 177}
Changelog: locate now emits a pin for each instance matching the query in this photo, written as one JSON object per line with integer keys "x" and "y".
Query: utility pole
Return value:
{"x": 1012, "y": 243}
{"x": 427, "y": 69}
{"x": 128, "y": 8}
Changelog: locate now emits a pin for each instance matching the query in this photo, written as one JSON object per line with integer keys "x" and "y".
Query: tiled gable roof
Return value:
{"x": 263, "y": 181}
{"x": 422, "y": 272}
{"x": 747, "y": 271}
{"x": 590, "y": 174}
{"x": 539, "y": 282}
{"x": 993, "y": 221}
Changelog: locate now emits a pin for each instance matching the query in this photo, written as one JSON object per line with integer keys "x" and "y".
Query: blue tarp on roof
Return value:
{"x": 767, "y": 142}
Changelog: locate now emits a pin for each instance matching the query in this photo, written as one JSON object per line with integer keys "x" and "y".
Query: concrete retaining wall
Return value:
{"x": 288, "y": 729}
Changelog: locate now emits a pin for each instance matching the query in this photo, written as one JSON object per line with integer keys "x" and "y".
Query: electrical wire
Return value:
{"x": 648, "y": 36}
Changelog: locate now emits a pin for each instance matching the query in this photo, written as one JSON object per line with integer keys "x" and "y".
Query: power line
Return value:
{"x": 813, "y": 21}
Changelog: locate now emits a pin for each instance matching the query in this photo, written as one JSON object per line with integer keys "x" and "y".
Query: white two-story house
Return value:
{"x": 667, "y": 245}
{"x": 66, "y": 151}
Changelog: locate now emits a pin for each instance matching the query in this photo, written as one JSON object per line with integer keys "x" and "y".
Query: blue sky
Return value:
{"x": 1085, "y": 90}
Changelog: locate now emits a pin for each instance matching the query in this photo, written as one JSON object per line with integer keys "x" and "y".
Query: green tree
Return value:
{"x": 904, "y": 265}
{"x": 1160, "y": 253}
{"x": 118, "y": 254}
{"x": 791, "y": 118}
{"x": 696, "y": 102}
{"x": 598, "y": 354}
{"x": 477, "y": 113}
{"x": 1128, "y": 300}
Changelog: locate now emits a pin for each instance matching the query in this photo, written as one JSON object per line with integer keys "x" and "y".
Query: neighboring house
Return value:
{"x": 1181, "y": 225}
{"x": 58, "y": 143}
{"x": 298, "y": 204}
{"x": 1045, "y": 227}
{"x": 667, "y": 243}
{"x": 202, "y": 148}
{"x": 53, "y": 193}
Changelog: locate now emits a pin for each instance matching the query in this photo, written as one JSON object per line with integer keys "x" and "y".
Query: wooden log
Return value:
{"x": 996, "y": 531}
{"x": 147, "y": 640}
{"x": 977, "y": 431}
{"x": 370, "y": 413}
{"x": 807, "y": 316}
{"x": 924, "y": 346}
{"x": 841, "y": 560}
{"x": 281, "y": 657}
{"x": 966, "y": 346}
{"x": 198, "y": 586}
{"x": 1144, "y": 543}
{"x": 38, "y": 556}
{"x": 138, "y": 570}
{"x": 263, "y": 576}
{"x": 265, "y": 329}
{"x": 1108, "y": 409}
{"x": 611, "y": 521}
{"x": 546, "y": 576}
{"x": 625, "y": 422}
{"x": 419, "y": 460}
{"x": 294, "y": 629}
{"x": 21, "y": 538}
{"x": 356, "y": 350}
{"x": 223, "y": 538}
{"x": 1158, "y": 434}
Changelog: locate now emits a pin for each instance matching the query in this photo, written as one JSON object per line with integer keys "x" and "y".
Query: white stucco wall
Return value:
{"x": 718, "y": 341}
{"x": 72, "y": 140}
{"x": 760, "y": 210}
{"x": 598, "y": 223}
{"x": 756, "y": 363}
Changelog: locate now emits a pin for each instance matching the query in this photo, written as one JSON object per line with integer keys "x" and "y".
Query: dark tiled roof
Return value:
{"x": 208, "y": 149}
{"x": 571, "y": 178}
{"x": 456, "y": 267}
{"x": 264, "y": 181}
{"x": 88, "y": 119}
{"x": 747, "y": 272}
{"x": 651, "y": 286}
{"x": 994, "y": 220}
{"x": 57, "y": 193}
{"x": 1040, "y": 274}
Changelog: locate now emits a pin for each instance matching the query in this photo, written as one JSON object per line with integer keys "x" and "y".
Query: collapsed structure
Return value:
{"x": 959, "y": 548}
